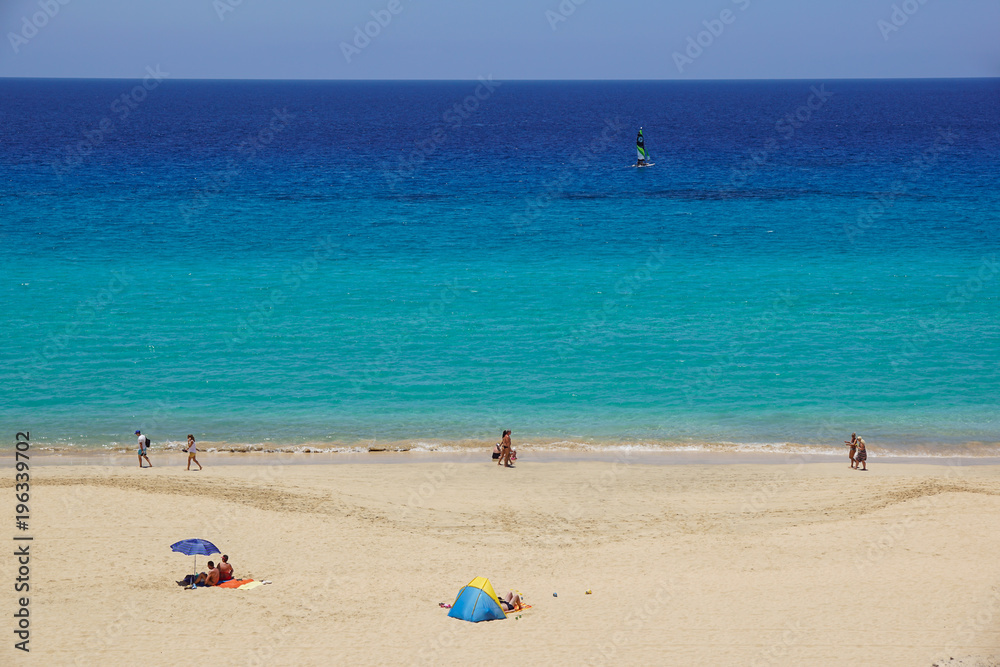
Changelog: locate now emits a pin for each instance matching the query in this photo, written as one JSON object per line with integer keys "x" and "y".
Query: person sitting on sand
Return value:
{"x": 510, "y": 602}
{"x": 498, "y": 450}
{"x": 210, "y": 578}
{"x": 853, "y": 444}
{"x": 225, "y": 569}
{"x": 191, "y": 450}
{"x": 862, "y": 455}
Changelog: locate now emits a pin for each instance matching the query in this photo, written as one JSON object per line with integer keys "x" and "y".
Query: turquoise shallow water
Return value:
{"x": 345, "y": 284}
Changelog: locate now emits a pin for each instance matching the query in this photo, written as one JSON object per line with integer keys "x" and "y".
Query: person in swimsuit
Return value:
{"x": 210, "y": 578}
{"x": 862, "y": 455}
{"x": 853, "y": 444}
{"x": 225, "y": 569}
{"x": 510, "y": 602}
{"x": 191, "y": 450}
{"x": 505, "y": 450}
{"x": 143, "y": 448}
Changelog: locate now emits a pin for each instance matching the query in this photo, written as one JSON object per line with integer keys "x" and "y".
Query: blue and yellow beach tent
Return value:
{"x": 477, "y": 602}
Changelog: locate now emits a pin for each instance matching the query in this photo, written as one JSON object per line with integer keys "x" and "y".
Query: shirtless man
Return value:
{"x": 209, "y": 579}
{"x": 225, "y": 569}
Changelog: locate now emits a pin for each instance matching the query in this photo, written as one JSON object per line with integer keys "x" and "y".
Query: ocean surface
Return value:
{"x": 422, "y": 264}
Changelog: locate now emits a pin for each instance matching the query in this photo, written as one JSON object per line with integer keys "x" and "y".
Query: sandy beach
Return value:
{"x": 769, "y": 564}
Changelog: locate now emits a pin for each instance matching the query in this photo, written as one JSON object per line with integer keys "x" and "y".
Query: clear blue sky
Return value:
{"x": 510, "y": 39}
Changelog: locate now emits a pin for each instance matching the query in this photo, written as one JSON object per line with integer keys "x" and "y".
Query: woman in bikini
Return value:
{"x": 853, "y": 444}
{"x": 505, "y": 450}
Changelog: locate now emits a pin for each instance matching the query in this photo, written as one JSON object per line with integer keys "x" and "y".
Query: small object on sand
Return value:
{"x": 589, "y": 592}
{"x": 555, "y": 595}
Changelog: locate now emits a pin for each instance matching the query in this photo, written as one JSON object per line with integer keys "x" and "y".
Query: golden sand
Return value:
{"x": 809, "y": 564}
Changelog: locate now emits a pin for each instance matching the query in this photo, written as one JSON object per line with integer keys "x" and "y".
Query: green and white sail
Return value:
{"x": 640, "y": 148}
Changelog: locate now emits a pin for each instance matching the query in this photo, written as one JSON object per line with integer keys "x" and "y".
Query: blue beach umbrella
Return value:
{"x": 194, "y": 547}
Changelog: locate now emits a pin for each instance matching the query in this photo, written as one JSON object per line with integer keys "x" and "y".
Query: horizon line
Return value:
{"x": 851, "y": 78}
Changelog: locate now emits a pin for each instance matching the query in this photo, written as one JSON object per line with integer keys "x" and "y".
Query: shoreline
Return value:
{"x": 172, "y": 458}
{"x": 915, "y": 448}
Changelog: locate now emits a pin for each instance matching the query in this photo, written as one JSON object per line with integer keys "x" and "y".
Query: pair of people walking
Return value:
{"x": 858, "y": 452}
{"x": 506, "y": 451}
{"x": 191, "y": 449}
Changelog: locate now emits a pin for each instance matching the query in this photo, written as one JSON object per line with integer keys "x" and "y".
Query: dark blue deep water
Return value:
{"x": 340, "y": 263}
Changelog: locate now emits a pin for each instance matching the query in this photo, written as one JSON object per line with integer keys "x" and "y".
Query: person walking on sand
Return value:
{"x": 862, "y": 456}
{"x": 853, "y": 444}
{"x": 505, "y": 450}
{"x": 143, "y": 448}
{"x": 502, "y": 445}
{"x": 191, "y": 449}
